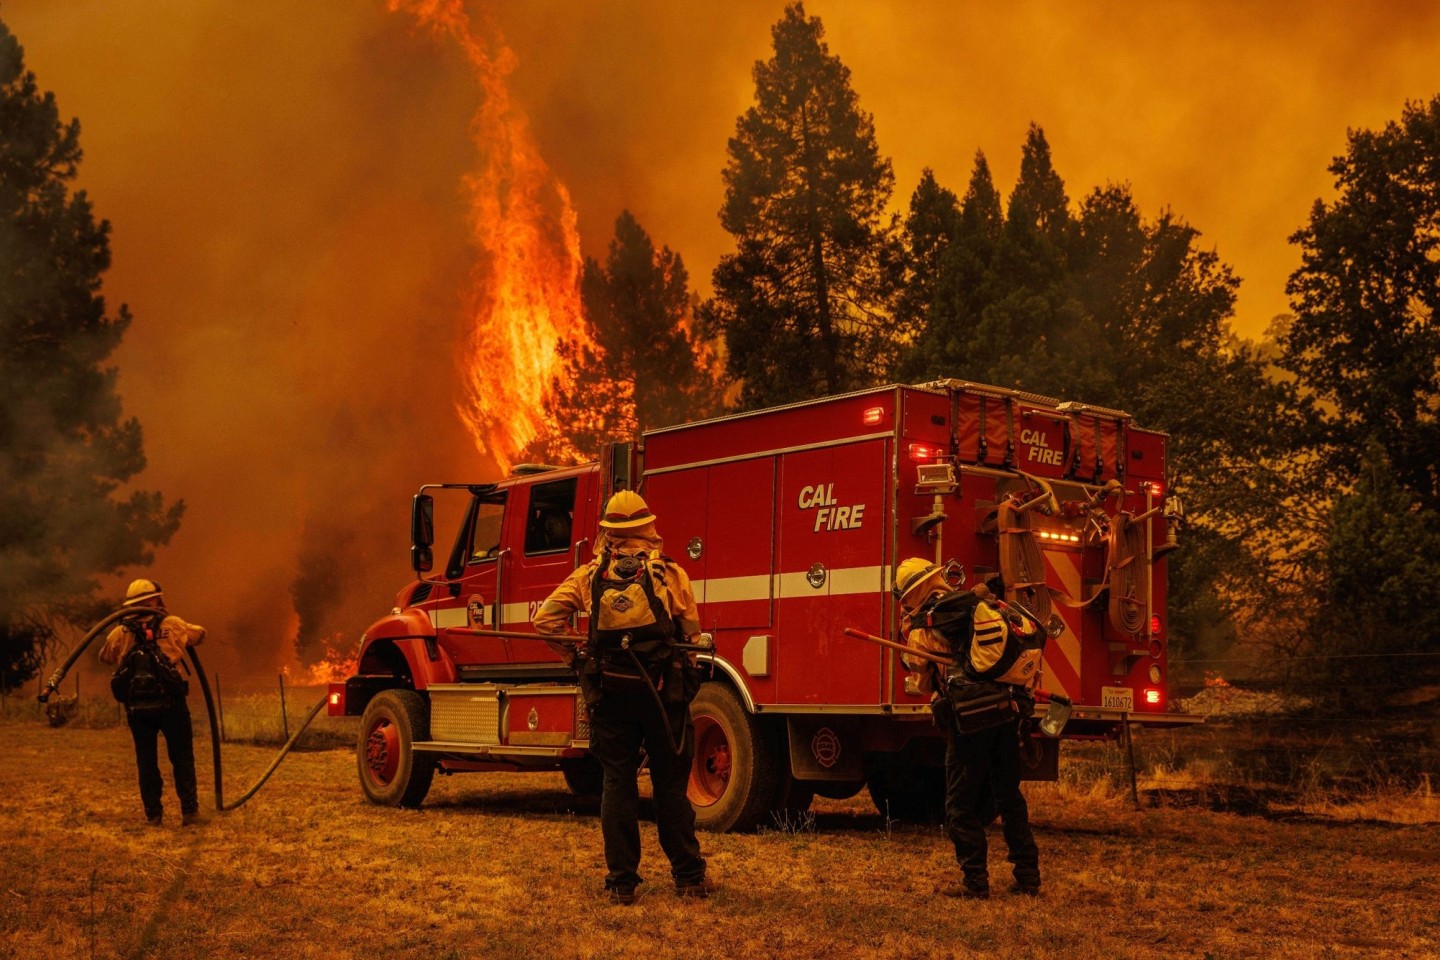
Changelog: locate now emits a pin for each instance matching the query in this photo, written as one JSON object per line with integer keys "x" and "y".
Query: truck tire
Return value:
{"x": 392, "y": 774}
{"x": 733, "y": 778}
{"x": 911, "y": 794}
{"x": 584, "y": 777}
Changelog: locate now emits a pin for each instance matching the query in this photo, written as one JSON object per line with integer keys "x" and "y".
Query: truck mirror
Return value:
{"x": 422, "y": 532}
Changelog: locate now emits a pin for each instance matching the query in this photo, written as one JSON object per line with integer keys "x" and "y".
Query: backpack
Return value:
{"x": 630, "y": 625}
{"x": 990, "y": 646}
{"x": 145, "y": 680}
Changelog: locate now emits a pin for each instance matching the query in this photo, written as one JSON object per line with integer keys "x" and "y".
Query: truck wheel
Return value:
{"x": 391, "y": 773}
{"x": 584, "y": 777}
{"x": 912, "y": 794}
{"x": 733, "y": 776}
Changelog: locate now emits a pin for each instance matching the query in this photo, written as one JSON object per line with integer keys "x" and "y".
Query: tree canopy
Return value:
{"x": 643, "y": 365}
{"x": 803, "y": 301}
{"x": 66, "y": 449}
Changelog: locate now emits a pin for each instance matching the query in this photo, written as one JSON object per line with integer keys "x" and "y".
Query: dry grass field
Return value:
{"x": 510, "y": 866}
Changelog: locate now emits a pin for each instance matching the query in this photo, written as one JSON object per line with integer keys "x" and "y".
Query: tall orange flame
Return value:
{"x": 526, "y": 294}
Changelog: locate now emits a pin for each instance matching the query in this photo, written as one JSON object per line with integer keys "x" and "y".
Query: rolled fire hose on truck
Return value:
{"x": 126, "y": 613}
{"x": 1022, "y": 565}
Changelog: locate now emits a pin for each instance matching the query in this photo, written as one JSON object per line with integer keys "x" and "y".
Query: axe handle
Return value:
{"x": 903, "y": 648}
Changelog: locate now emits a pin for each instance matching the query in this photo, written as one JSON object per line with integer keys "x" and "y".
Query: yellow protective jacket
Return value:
{"x": 930, "y": 677}
{"x": 175, "y": 636}
{"x": 573, "y": 595}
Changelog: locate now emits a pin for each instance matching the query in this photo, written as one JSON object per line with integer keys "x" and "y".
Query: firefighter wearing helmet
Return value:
{"x": 638, "y": 690}
{"x": 148, "y": 651}
{"x": 982, "y": 767}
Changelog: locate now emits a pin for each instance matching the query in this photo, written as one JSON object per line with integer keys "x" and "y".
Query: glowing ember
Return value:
{"x": 526, "y": 294}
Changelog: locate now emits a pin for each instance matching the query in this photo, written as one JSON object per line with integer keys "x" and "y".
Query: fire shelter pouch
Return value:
{"x": 981, "y": 705}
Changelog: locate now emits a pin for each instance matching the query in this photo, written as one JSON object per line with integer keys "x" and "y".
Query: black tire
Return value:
{"x": 911, "y": 794}
{"x": 733, "y": 778}
{"x": 584, "y": 777}
{"x": 392, "y": 774}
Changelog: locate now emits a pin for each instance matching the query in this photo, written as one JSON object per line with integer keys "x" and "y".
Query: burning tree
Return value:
{"x": 639, "y": 364}
{"x": 65, "y": 452}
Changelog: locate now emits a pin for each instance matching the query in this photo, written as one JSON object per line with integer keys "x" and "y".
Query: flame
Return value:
{"x": 341, "y": 662}
{"x": 525, "y": 298}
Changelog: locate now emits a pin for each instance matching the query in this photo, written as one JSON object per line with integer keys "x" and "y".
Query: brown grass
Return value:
{"x": 510, "y": 866}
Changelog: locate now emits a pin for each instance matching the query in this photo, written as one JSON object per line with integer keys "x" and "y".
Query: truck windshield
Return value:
{"x": 485, "y": 531}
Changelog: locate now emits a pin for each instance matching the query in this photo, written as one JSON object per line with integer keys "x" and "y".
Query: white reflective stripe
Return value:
{"x": 449, "y": 617}
{"x": 521, "y": 612}
{"x": 845, "y": 580}
{"x": 859, "y": 580}
{"x": 731, "y": 589}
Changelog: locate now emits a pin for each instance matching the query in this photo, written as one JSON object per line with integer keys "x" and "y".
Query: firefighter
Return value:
{"x": 624, "y": 717}
{"x": 982, "y": 769}
{"x": 150, "y": 684}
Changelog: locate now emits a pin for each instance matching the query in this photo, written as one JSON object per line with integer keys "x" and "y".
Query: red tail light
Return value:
{"x": 1155, "y": 625}
{"x": 1154, "y": 487}
{"x": 1152, "y": 696}
{"x": 921, "y": 452}
{"x": 335, "y": 701}
{"x": 873, "y": 416}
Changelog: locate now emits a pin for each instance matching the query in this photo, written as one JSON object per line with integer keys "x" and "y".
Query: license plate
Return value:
{"x": 1117, "y": 698}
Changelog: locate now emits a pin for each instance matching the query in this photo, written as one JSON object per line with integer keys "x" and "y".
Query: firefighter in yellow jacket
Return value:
{"x": 150, "y": 655}
{"x": 982, "y": 769}
{"x": 638, "y": 602}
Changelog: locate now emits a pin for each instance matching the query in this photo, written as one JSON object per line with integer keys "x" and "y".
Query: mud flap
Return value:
{"x": 824, "y": 748}
{"x": 1040, "y": 758}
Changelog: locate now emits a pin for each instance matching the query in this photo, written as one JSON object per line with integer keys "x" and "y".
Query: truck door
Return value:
{"x": 553, "y": 539}
{"x": 467, "y": 601}
{"x": 831, "y": 572}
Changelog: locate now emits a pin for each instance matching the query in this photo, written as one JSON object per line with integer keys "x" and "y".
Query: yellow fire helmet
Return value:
{"x": 913, "y": 573}
{"x": 626, "y": 510}
{"x": 140, "y": 591}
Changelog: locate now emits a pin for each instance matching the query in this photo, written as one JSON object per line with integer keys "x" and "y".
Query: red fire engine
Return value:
{"x": 790, "y": 523}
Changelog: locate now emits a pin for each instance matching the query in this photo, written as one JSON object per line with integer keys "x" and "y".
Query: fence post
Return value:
{"x": 284, "y": 717}
{"x": 220, "y": 707}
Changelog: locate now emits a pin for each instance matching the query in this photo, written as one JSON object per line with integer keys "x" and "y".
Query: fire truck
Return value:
{"x": 790, "y": 523}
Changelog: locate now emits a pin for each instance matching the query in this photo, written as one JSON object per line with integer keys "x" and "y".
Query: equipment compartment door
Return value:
{"x": 831, "y": 573}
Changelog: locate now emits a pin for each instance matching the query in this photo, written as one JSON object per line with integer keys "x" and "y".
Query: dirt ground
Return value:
{"x": 510, "y": 866}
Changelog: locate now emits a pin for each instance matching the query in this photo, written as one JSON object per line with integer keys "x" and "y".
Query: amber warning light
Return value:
{"x": 335, "y": 701}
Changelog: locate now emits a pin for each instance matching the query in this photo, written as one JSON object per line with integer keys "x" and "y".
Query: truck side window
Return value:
{"x": 551, "y": 517}
{"x": 485, "y": 532}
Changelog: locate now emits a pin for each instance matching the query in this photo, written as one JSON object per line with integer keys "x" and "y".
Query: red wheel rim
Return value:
{"x": 710, "y": 773}
{"x": 382, "y": 751}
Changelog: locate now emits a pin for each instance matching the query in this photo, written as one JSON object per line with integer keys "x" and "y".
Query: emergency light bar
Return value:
{"x": 873, "y": 416}
{"x": 920, "y": 452}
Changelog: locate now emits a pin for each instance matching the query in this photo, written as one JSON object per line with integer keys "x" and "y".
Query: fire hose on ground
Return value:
{"x": 126, "y": 613}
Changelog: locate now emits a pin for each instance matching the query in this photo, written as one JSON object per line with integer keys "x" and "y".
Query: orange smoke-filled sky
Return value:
{"x": 284, "y": 184}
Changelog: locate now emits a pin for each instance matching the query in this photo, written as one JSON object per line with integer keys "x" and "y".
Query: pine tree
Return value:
{"x": 65, "y": 450}
{"x": 802, "y": 301}
{"x": 644, "y": 365}
{"x": 930, "y": 227}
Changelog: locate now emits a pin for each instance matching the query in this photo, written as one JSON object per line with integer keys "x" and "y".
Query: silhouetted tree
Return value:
{"x": 1363, "y": 342}
{"x": 65, "y": 450}
{"x": 643, "y": 366}
{"x": 802, "y": 302}
{"x": 1364, "y": 338}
